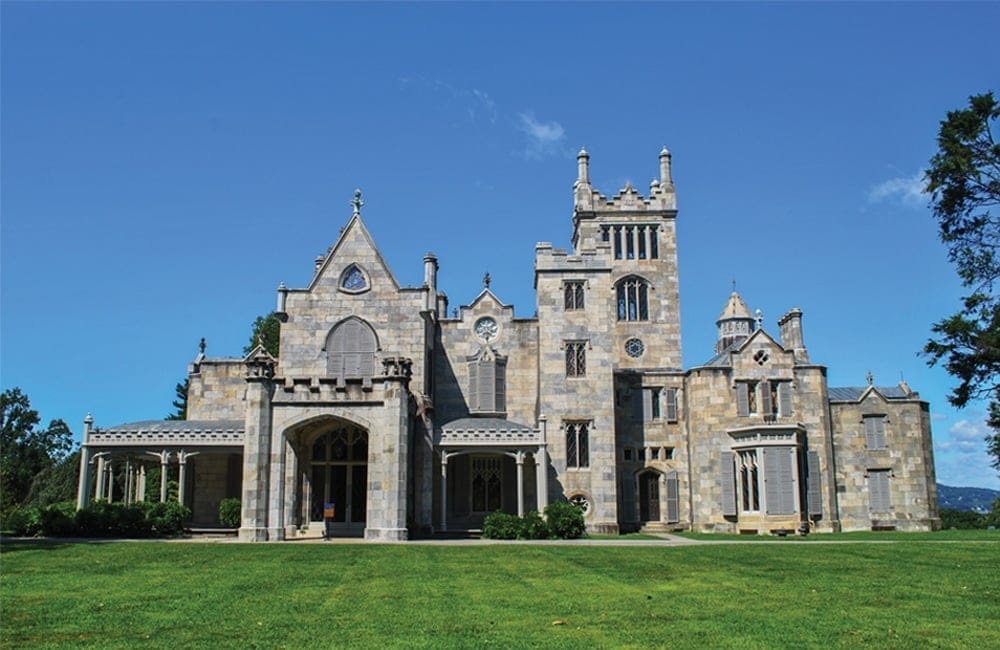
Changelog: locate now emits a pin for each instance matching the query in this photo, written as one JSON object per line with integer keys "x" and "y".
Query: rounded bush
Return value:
{"x": 500, "y": 525}
{"x": 534, "y": 527}
{"x": 565, "y": 520}
{"x": 24, "y": 522}
{"x": 230, "y": 513}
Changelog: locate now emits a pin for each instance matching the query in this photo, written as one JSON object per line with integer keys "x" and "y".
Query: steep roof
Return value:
{"x": 735, "y": 308}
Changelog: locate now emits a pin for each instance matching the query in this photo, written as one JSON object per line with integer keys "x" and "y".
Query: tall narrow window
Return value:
{"x": 577, "y": 444}
{"x": 875, "y": 432}
{"x": 749, "y": 480}
{"x": 487, "y": 383}
{"x": 651, "y": 403}
{"x": 878, "y": 490}
{"x": 654, "y": 244}
{"x": 576, "y": 358}
{"x": 746, "y": 398}
{"x": 633, "y": 298}
{"x": 670, "y": 404}
{"x": 573, "y": 295}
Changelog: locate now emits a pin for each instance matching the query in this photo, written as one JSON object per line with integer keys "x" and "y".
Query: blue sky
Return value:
{"x": 165, "y": 166}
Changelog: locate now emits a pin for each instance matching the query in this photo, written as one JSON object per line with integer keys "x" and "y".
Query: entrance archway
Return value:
{"x": 649, "y": 497}
{"x": 339, "y": 476}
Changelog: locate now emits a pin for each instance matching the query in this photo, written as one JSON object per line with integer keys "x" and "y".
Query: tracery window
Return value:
{"x": 573, "y": 295}
{"x": 633, "y": 298}
{"x": 576, "y": 358}
{"x": 577, "y": 444}
{"x": 353, "y": 279}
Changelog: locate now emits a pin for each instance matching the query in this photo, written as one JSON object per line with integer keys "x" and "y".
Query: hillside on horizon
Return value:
{"x": 966, "y": 498}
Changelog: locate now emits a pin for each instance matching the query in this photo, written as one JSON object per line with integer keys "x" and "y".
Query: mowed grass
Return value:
{"x": 157, "y": 594}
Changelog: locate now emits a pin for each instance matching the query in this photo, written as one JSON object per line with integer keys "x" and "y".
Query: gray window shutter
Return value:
{"x": 785, "y": 398}
{"x": 766, "y": 407}
{"x": 878, "y": 490}
{"x": 742, "y": 399}
{"x": 728, "y": 485}
{"x": 875, "y": 431}
{"x": 671, "y": 405}
{"x": 879, "y": 432}
{"x": 673, "y": 514}
{"x": 813, "y": 485}
{"x": 486, "y": 390}
{"x": 647, "y": 405}
{"x": 779, "y": 488}
{"x": 473, "y": 385}
{"x": 501, "y": 386}
{"x": 870, "y": 432}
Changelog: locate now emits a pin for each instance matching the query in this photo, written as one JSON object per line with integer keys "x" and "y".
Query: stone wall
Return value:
{"x": 216, "y": 390}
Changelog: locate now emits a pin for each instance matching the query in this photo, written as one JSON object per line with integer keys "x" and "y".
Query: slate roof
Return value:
{"x": 176, "y": 426}
{"x": 484, "y": 424}
{"x": 854, "y": 393}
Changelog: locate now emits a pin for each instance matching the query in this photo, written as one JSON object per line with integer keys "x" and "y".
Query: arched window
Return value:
{"x": 487, "y": 382}
{"x": 633, "y": 298}
{"x": 350, "y": 350}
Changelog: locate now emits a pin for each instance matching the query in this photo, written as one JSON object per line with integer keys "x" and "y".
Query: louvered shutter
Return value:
{"x": 875, "y": 431}
{"x": 779, "y": 487}
{"x": 814, "y": 494}
{"x": 785, "y": 398}
{"x": 878, "y": 490}
{"x": 671, "y": 405}
{"x": 647, "y": 405}
{"x": 673, "y": 509}
{"x": 870, "y": 432}
{"x": 728, "y": 485}
{"x": 766, "y": 407}
{"x": 473, "y": 394}
{"x": 485, "y": 389}
{"x": 742, "y": 399}
{"x": 879, "y": 432}
{"x": 501, "y": 386}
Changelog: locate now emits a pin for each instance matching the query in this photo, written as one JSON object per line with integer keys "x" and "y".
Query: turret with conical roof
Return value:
{"x": 736, "y": 324}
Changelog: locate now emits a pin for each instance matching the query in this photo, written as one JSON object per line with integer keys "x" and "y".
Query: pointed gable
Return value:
{"x": 354, "y": 264}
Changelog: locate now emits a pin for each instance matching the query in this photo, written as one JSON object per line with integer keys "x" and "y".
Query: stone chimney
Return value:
{"x": 791, "y": 334}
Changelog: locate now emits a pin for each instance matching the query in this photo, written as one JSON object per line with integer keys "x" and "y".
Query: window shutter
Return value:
{"x": 501, "y": 386}
{"x": 486, "y": 389}
{"x": 814, "y": 495}
{"x": 870, "y": 432}
{"x": 875, "y": 431}
{"x": 766, "y": 407}
{"x": 785, "y": 398}
{"x": 878, "y": 490}
{"x": 473, "y": 394}
{"x": 779, "y": 487}
{"x": 879, "y": 432}
{"x": 742, "y": 399}
{"x": 671, "y": 405}
{"x": 728, "y": 485}
{"x": 647, "y": 405}
{"x": 672, "y": 498}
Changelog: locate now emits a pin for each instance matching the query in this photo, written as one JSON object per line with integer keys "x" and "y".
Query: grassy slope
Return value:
{"x": 738, "y": 595}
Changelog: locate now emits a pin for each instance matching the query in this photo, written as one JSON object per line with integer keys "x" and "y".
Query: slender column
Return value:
{"x": 129, "y": 482}
{"x": 619, "y": 232}
{"x": 634, "y": 234}
{"x": 542, "y": 478}
{"x": 101, "y": 476}
{"x": 83, "y": 487}
{"x": 444, "y": 491}
{"x": 520, "y": 483}
{"x": 647, "y": 233}
{"x": 111, "y": 481}
{"x": 164, "y": 471}
{"x": 140, "y": 492}
{"x": 182, "y": 458}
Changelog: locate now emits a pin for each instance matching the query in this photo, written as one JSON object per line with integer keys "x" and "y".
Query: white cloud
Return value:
{"x": 906, "y": 190}
{"x": 960, "y": 455}
{"x": 474, "y": 103}
{"x": 544, "y": 138}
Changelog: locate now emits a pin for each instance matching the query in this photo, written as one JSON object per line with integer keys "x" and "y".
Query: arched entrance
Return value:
{"x": 339, "y": 475}
{"x": 649, "y": 496}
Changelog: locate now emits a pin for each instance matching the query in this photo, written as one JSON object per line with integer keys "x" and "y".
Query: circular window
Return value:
{"x": 634, "y": 348}
{"x": 486, "y": 328}
{"x": 581, "y": 502}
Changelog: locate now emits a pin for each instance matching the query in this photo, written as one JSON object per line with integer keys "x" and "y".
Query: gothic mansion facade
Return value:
{"x": 397, "y": 418}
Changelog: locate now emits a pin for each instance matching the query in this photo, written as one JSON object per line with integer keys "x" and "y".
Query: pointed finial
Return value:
{"x": 759, "y": 317}
{"x": 202, "y": 345}
{"x": 357, "y": 203}
{"x": 734, "y": 285}
{"x": 487, "y": 279}
{"x": 870, "y": 378}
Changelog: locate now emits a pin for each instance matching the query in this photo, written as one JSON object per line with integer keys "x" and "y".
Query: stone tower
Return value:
{"x": 735, "y": 323}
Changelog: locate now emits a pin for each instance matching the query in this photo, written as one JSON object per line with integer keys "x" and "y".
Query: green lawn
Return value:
{"x": 156, "y": 594}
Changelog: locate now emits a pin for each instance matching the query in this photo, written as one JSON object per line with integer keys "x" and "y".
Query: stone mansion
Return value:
{"x": 400, "y": 419}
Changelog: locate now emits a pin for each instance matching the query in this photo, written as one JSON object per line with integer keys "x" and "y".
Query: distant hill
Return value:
{"x": 966, "y": 498}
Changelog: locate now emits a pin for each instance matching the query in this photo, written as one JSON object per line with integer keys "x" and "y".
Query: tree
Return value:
{"x": 181, "y": 403}
{"x": 963, "y": 181}
{"x": 265, "y": 329}
{"x": 26, "y": 450}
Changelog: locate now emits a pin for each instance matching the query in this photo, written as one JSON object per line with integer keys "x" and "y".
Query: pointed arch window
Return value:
{"x": 350, "y": 350}
{"x": 487, "y": 382}
{"x": 633, "y": 298}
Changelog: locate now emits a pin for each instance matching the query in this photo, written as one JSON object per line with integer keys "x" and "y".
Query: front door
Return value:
{"x": 649, "y": 497}
{"x": 340, "y": 477}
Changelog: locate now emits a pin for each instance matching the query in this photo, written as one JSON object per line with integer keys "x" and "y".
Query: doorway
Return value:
{"x": 649, "y": 496}
{"x": 339, "y": 476}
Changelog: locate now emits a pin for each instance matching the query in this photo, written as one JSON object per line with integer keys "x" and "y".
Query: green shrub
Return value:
{"x": 500, "y": 525}
{"x": 961, "y": 519}
{"x": 59, "y": 519}
{"x": 23, "y": 522}
{"x": 230, "y": 513}
{"x": 534, "y": 527}
{"x": 168, "y": 517}
{"x": 565, "y": 520}
{"x": 98, "y": 519}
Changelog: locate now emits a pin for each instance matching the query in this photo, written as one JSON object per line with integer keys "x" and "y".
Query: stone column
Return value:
{"x": 86, "y": 458}
{"x": 109, "y": 466}
{"x": 444, "y": 491}
{"x": 140, "y": 493}
{"x": 276, "y": 489}
{"x": 519, "y": 459}
{"x": 647, "y": 232}
{"x": 164, "y": 472}
{"x": 388, "y": 457}
{"x": 101, "y": 490}
{"x": 129, "y": 482}
{"x": 291, "y": 482}
{"x": 182, "y": 457}
{"x": 257, "y": 446}
{"x": 542, "y": 477}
